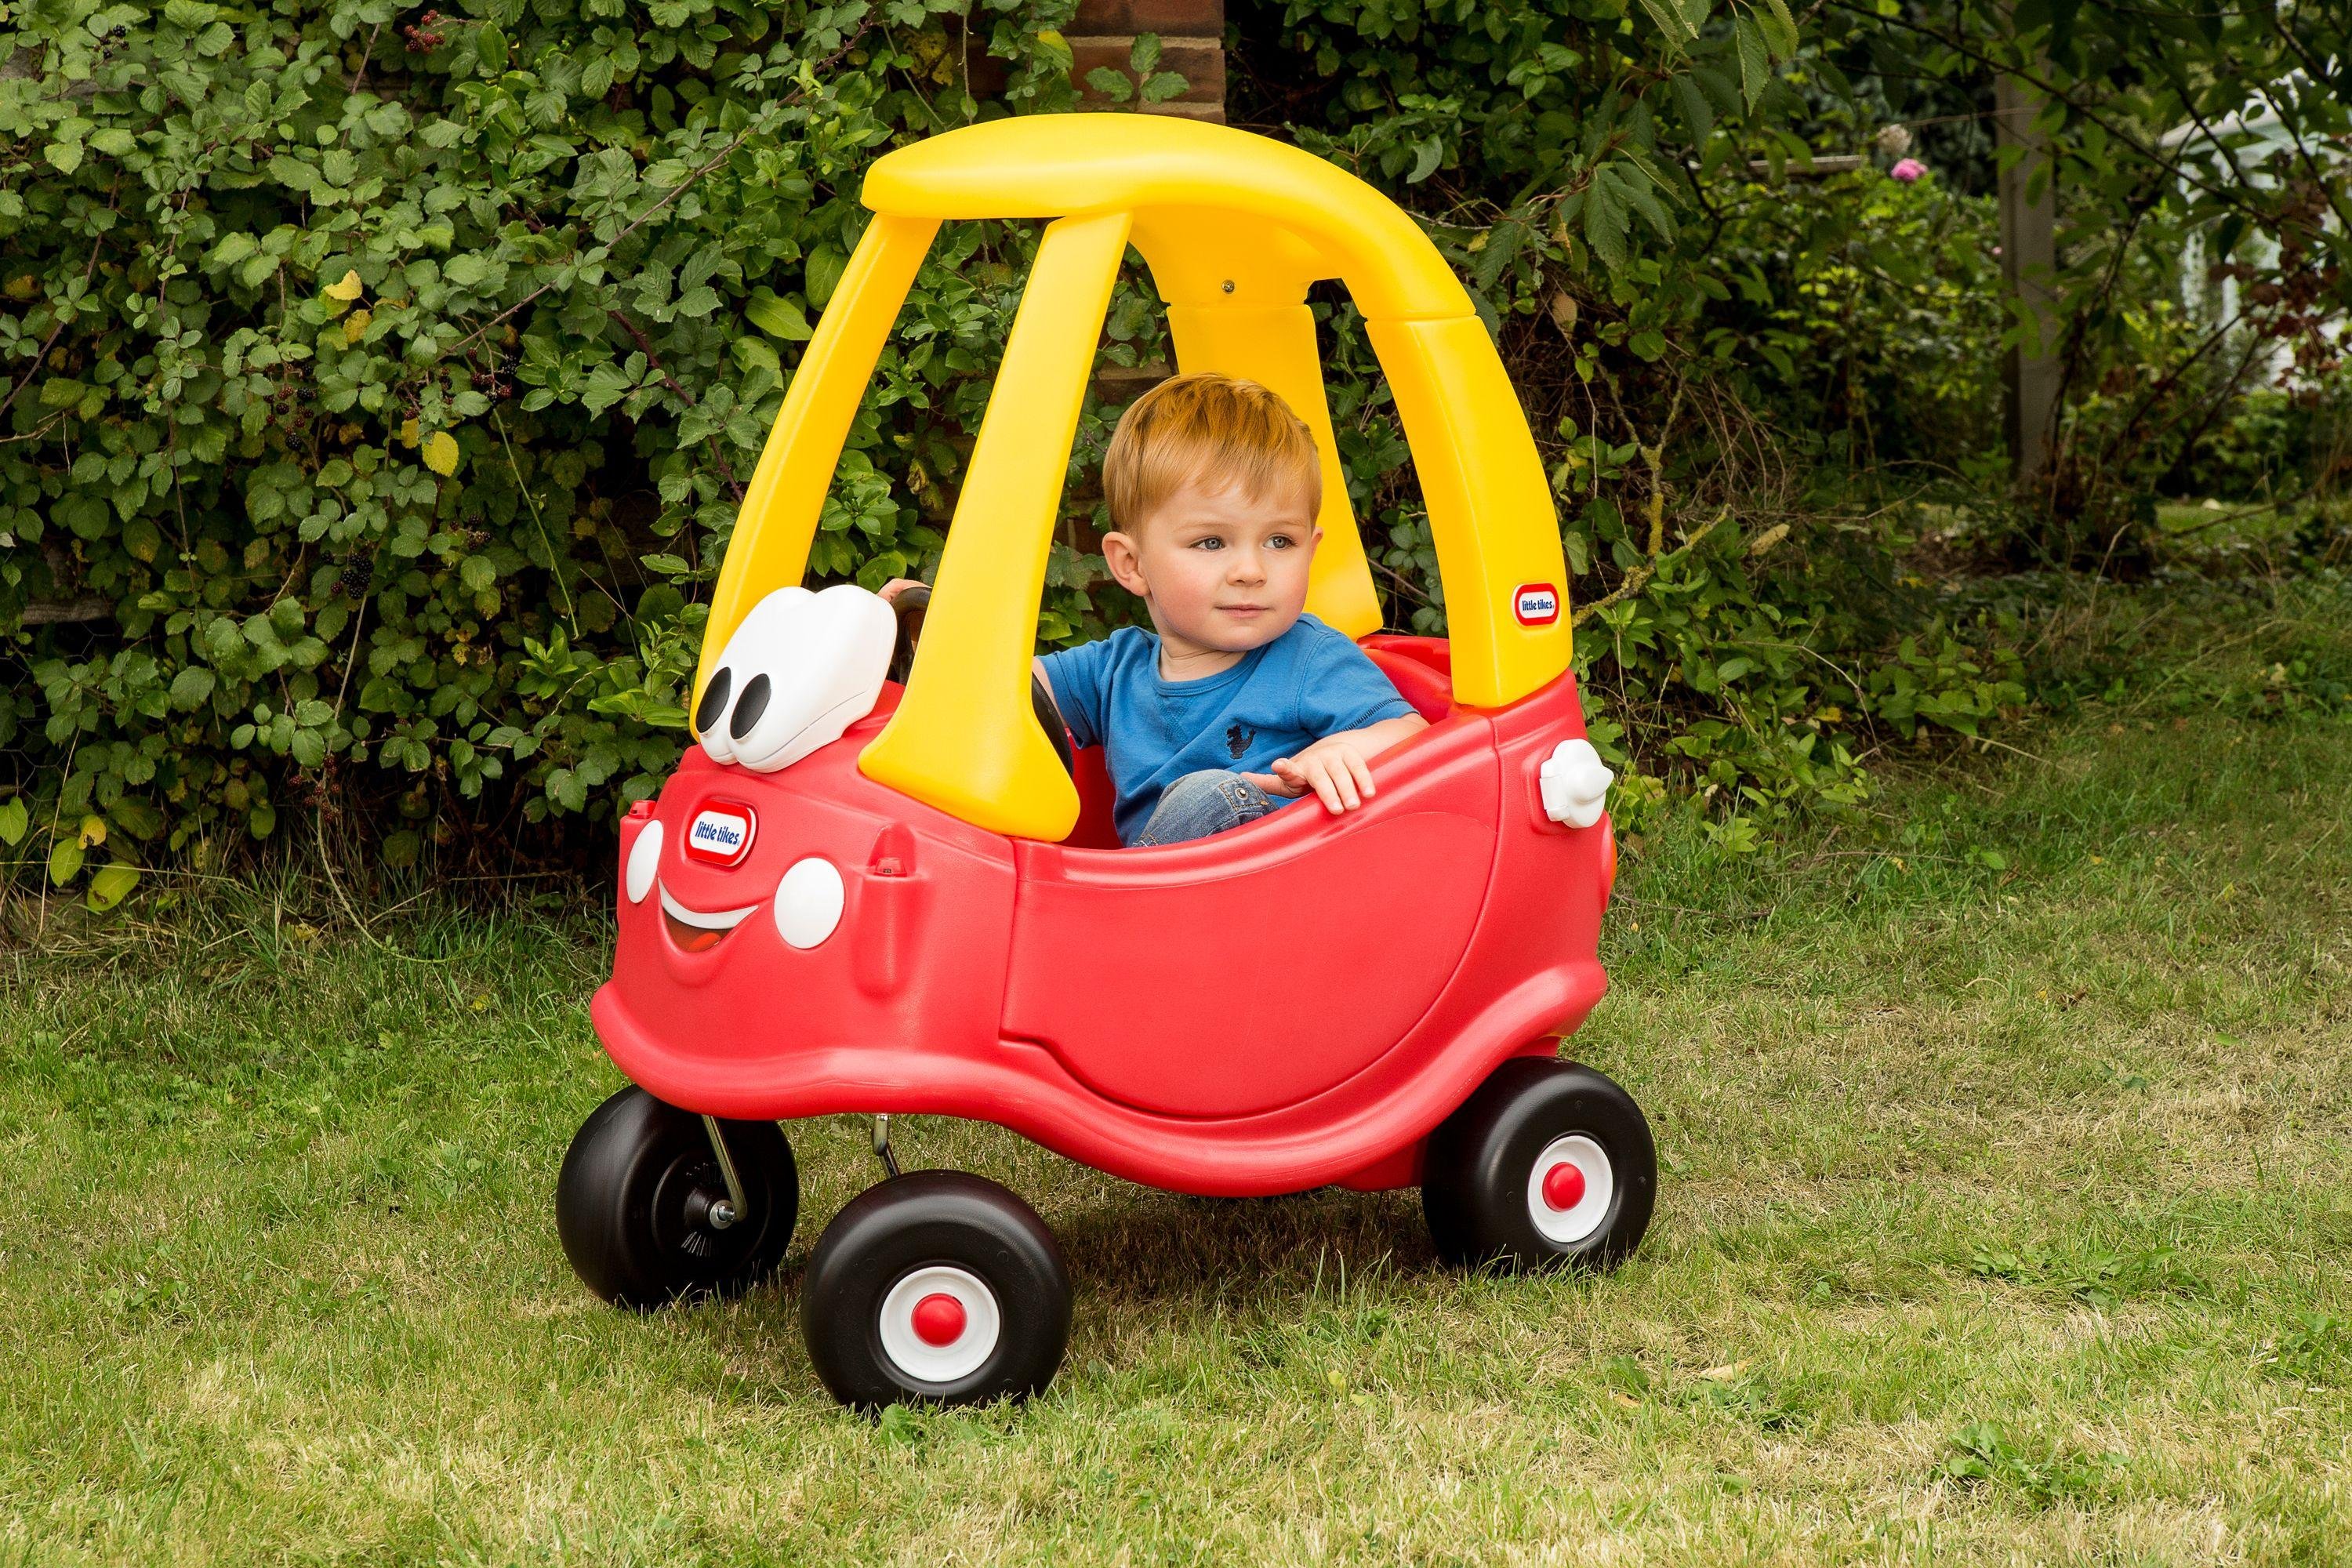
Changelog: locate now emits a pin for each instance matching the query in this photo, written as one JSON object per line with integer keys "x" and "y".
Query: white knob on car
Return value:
{"x": 1575, "y": 783}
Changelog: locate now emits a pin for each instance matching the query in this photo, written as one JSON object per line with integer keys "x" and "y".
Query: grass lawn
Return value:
{"x": 2007, "y": 1190}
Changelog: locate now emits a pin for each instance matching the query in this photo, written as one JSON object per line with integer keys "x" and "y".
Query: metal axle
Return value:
{"x": 735, "y": 1206}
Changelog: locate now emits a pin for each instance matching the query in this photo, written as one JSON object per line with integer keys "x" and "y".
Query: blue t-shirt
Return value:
{"x": 1275, "y": 700}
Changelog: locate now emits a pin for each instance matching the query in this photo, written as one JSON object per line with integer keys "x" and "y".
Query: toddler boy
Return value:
{"x": 1237, "y": 702}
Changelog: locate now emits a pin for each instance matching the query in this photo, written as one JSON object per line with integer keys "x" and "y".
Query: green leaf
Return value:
{"x": 136, "y": 818}
{"x": 1668, "y": 15}
{"x": 1606, "y": 218}
{"x": 490, "y": 48}
{"x": 1113, "y": 85}
{"x": 14, "y": 820}
{"x": 114, "y": 141}
{"x": 65, "y": 859}
{"x": 192, "y": 688}
{"x": 824, "y": 268}
{"x": 755, "y": 353}
{"x": 111, "y": 885}
{"x": 1785, "y": 25}
{"x": 1697, "y": 113}
{"x": 477, "y": 573}
{"x": 1755, "y": 66}
{"x": 65, "y": 155}
{"x": 1144, "y": 54}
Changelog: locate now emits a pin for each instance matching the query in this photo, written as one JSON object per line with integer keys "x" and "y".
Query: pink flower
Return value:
{"x": 1908, "y": 170}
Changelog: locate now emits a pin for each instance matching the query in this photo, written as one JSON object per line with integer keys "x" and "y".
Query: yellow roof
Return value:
{"x": 1059, "y": 166}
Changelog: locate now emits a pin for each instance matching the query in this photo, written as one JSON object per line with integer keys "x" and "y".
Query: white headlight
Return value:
{"x": 808, "y": 902}
{"x": 645, "y": 859}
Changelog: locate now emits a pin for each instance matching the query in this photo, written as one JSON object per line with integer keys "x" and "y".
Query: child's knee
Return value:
{"x": 1202, "y": 803}
{"x": 1207, "y": 784}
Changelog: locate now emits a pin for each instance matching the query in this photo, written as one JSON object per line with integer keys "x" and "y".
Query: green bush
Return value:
{"x": 381, "y": 385}
{"x": 380, "y": 382}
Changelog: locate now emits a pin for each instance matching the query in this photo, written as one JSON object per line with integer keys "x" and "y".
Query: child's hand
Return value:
{"x": 1334, "y": 768}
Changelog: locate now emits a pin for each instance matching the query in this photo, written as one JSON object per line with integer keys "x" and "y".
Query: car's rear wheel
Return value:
{"x": 1547, "y": 1164}
{"x": 644, "y": 1211}
{"x": 936, "y": 1288}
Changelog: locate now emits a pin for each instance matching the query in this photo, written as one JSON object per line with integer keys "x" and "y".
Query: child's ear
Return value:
{"x": 1119, "y": 553}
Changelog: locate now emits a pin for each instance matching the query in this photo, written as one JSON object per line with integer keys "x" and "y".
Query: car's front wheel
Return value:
{"x": 936, "y": 1288}
{"x": 644, "y": 1209}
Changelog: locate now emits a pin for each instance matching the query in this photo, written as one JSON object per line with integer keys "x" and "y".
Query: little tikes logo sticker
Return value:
{"x": 1536, "y": 604}
{"x": 720, "y": 834}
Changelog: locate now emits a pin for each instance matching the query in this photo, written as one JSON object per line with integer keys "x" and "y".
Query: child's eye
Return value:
{"x": 1281, "y": 542}
{"x": 1209, "y": 542}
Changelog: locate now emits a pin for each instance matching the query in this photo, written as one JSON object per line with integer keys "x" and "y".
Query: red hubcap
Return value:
{"x": 938, "y": 1319}
{"x": 1563, "y": 1186}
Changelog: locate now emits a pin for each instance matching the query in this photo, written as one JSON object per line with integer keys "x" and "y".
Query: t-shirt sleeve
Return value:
{"x": 1078, "y": 676}
{"x": 1341, "y": 688}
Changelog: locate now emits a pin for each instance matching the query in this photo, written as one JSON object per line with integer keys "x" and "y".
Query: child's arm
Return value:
{"x": 1337, "y": 767}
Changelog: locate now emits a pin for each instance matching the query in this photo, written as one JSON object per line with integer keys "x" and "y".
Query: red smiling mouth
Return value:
{"x": 697, "y": 930}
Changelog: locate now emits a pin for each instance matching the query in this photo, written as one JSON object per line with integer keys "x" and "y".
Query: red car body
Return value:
{"x": 1295, "y": 1002}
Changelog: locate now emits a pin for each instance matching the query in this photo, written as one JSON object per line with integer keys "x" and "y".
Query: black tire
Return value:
{"x": 634, "y": 1203}
{"x": 1481, "y": 1190}
{"x": 928, "y": 1234}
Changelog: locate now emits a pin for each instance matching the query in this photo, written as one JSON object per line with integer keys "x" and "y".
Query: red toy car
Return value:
{"x": 863, "y": 896}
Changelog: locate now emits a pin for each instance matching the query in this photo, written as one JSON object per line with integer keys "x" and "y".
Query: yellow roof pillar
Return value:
{"x": 786, "y": 495}
{"x": 964, "y": 738}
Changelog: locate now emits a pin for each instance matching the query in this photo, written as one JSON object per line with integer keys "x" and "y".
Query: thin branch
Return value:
{"x": 645, "y": 347}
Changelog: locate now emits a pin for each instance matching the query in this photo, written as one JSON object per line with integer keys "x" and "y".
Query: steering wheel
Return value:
{"x": 909, "y": 605}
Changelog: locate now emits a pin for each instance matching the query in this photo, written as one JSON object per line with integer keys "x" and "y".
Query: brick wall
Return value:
{"x": 1192, "y": 44}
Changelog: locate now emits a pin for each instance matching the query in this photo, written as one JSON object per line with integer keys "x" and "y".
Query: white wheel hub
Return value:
{"x": 1570, "y": 1189}
{"x": 940, "y": 1324}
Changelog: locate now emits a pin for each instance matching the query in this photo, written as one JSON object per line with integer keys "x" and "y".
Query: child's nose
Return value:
{"x": 1246, "y": 566}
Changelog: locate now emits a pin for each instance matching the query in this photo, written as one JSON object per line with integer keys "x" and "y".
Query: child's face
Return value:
{"x": 1222, "y": 570}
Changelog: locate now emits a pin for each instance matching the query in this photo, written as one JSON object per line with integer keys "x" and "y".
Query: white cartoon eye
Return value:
{"x": 802, "y": 668}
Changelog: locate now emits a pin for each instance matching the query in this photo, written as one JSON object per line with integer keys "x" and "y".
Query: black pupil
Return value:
{"x": 714, "y": 699}
{"x": 748, "y": 712}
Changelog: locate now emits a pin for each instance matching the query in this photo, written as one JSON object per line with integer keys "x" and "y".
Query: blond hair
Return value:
{"x": 1212, "y": 430}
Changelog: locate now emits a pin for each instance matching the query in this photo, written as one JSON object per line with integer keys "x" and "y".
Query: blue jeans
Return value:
{"x": 1200, "y": 803}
